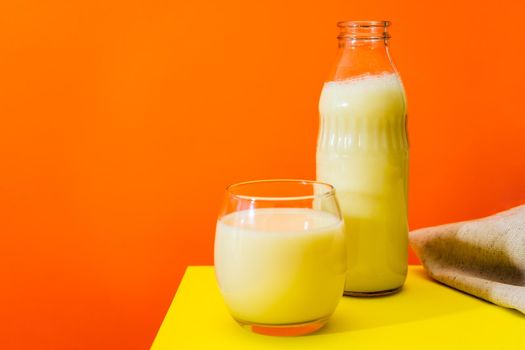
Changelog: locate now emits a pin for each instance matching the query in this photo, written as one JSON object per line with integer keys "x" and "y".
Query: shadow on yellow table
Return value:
{"x": 424, "y": 314}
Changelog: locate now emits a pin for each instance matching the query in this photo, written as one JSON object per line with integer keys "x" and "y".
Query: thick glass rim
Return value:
{"x": 330, "y": 190}
{"x": 363, "y": 24}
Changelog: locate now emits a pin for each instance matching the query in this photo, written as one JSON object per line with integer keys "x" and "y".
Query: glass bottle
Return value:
{"x": 363, "y": 151}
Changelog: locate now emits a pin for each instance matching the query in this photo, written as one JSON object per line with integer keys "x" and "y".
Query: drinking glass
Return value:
{"x": 280, "y": 255}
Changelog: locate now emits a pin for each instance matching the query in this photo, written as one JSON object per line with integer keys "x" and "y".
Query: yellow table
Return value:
{"x": 424, "y": 315}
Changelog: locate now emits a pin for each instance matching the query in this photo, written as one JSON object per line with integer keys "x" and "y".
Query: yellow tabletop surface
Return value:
{"x": 424, "y": 315}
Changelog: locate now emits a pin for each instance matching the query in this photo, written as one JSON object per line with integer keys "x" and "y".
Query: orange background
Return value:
{"x": 122, "y": 121}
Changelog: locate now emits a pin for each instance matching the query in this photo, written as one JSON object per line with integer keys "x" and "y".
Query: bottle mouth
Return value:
{"x": 363, "y": 30}
{"x": 363, "y": 24}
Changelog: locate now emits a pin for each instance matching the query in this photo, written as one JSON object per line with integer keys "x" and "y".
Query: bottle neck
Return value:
{"x": 348, "y": 42}
{"x": 363, "y": 50}
{"x": 364, "y": 31}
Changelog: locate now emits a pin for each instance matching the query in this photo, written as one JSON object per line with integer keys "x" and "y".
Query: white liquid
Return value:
{"x": 280, "y": 265}
{"x": 363, "y": 151}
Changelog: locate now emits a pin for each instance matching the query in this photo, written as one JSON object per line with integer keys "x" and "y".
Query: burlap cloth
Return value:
{"x": 483, "y": 257}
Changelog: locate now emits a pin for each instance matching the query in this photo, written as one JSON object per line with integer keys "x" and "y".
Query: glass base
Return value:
{"x": 379, "y": 293}
{"x": 284, "y": 330}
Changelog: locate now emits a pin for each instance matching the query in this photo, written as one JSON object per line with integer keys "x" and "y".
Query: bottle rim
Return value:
{"x": 364, "y": 30}
{"x": 363, "y": 24}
